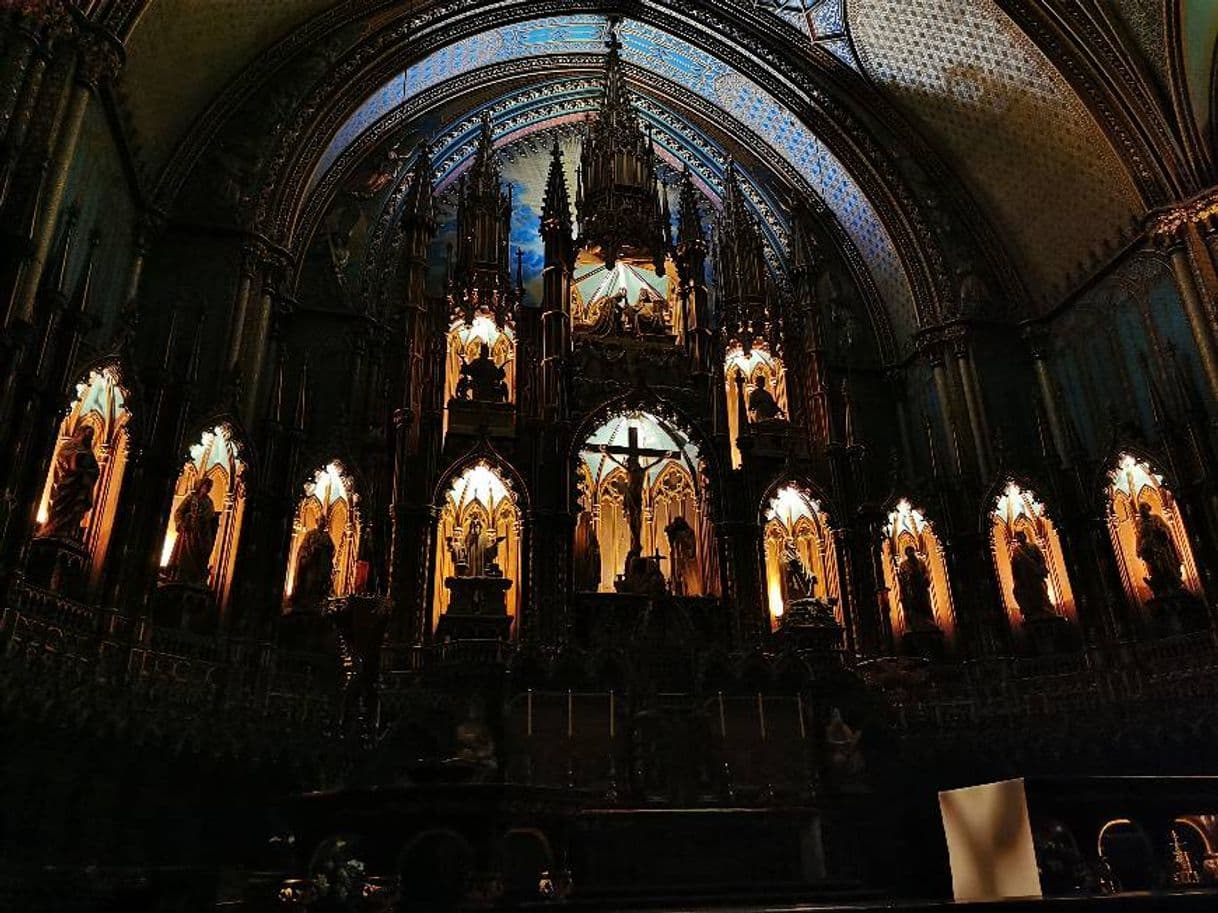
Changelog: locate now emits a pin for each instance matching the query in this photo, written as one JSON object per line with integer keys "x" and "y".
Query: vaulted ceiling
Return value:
{"x": 861, "y": 103}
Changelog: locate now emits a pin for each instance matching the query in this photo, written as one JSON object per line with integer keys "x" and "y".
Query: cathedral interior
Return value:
{"x": 608, "y": 453}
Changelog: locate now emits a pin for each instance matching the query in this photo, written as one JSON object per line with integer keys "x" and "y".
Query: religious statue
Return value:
{"x": 844, "y": 757}
{"x": 652, "y": 313}
{"x": 913, "y": 583}
{"x": 761, "y": 404}
{"x": 456, "y": 551}
{"x": 482, "y": 380}
{"x": 72, "y": 483}
{"x": 683, "y": 557}
{"x": 587, "y": 555}
{"x": 196, "y": 524}
{"x": 1158, "y": 552}
{"x": 482, "y": 550}
{"x": 636, "y": 480}
{"x": 799, "y": 579}
{"x": 1030, "y": 578}
{"x": 314, "y": 567}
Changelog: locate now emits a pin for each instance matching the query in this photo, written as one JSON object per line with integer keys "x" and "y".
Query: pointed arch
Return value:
{"x": 330, "y": 498}
{"x": 1134, "y": 483}
{"x": 792, "y": 511}
{"x": 102, "y": 405}
{"x": 908, "y": 527}
{"x": 218, "y": 455}
{"x": 1017, "y": 510}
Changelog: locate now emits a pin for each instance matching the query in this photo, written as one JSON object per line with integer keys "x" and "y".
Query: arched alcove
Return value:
{"x": 465, "y": 341}
{"x": 908, "y": 528}
{"x": 478, "y": 535}
{"x": 756, "y": 368}
{"x": 630, "y": 297}
{"x": 213, "y": 469}
{"x": 644, "y": 497}
{"x": 791, "y": 515}
{"x": 1021, "y": 529}
{"x": 330, "y": 506}
{"x": 1148, "y": 532}
{"x": 87, "y": 467}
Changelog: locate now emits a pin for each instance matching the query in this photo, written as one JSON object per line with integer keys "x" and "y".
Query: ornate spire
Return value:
{"x": 419, "y": 207}
{"x": 741, "y": 269}
{"x": 556, "y": 207}
{"x": 484, "y": 175}
{"x": 689, "y": 228}
{"x": 481, "y": 271}
{"x": 618, "y": 198}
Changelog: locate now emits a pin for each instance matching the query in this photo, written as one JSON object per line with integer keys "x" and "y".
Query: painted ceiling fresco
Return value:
{"x": 1018, "y": 135}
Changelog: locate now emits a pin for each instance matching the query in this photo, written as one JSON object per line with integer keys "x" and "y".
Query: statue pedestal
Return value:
{"x": 470, "y": 417}
{"x": 477, "y": 609}
{"x": 59, "y": 565}
{"x": 809, "y": 624}
{"x": 191, "y": 606}
{"x": 924, "y": 642}
{"x": 1177, "y": 613}
{"x": 1048, "y": 634}
{"x": 769, "y": 437}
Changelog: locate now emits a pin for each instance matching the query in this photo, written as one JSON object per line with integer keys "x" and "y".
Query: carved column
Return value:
{"x": 99, "y": 58}
{"x": 251, "y": 266}
{"x": 1195, "y": 310}
{"x": 973, "y": 404}
{"x": 1036, "y": 338}
{"x": 256, "y": 348}
{"x": 943, "y": 394}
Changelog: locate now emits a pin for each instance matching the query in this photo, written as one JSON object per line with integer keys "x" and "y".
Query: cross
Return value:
{"x": 632, "y": 448}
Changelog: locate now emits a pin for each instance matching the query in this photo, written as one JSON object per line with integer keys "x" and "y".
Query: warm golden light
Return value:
{"x": 792, "y": 516}
{"x": 1018, "y": 510}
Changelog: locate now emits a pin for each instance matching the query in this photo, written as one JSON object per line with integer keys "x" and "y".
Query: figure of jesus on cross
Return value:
{"x": 636, "y": 478}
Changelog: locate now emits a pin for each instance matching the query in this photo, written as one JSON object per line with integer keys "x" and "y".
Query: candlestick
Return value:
{"x": 570, "y": 715}
{"x": 761, "y": 715}
{"x": 722, "y": 720}
{"x": 803, "y": 732}
{"x": 529, "y": 715}
{"x": 612, "y": 726}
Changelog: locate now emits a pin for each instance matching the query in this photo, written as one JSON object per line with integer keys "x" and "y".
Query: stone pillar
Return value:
{"x": 18, "y": 57}
{"x": 973, "y": 405}
{"x": 250, "y": 267}
{"x": 1195, "y": 311}
{"x": 943, "y": 394}
{"x": 98, "y": 59}
{"x": 257, "y": 343}
{"x": 1035, "y": 336}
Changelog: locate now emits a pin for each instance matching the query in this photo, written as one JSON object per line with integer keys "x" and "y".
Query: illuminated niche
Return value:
{"x": 465, "y": 343}
{"x": 793, "y": 515}
{"x": 1132, "y": 483}
{"x": 1017, "y": 510}
{"x": 328, "y": 496}
{"x": 217, "y": 457}
{"x": 627, "y": 299}
{"x": 907, "y": 527}
{"x": 101, "y": 405}
{"x": 756, "y": 368}
{"x": 481, "y": 492}
{"x": 673, "y": 486}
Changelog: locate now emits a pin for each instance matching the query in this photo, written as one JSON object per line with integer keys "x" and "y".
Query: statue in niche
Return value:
{"x": 72, "y": 483}
{"x": 587, "y": 555}
{"x": 651, "y": 314}
{"x": 1158, "y": 552}
{"x": 482, "y": 380}
{"x": 799, "y": 579}
{"x": 314, "y": 567}
{"x": 196, "y": 524}
{"x": 1030, "y": 578}
{"x": 762, "y": 406}
{"x": 632, "y": 497}
{"x": 913, "y": 582}
{"x": 683, "y": 557}
{"x": 482, "y": 550}
{"x": 460, "y": 558}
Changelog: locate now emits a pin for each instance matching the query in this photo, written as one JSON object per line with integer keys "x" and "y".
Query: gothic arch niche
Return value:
{"x": 793, "y": 515}
{"x": 100, "y": 405}
{"x": 759, "y": 367}
{"x": 638, "y": 461}
{"x": 907, "y": 527}
{"x": 465, "y": 341}
{"x": 1018, "y": 511}
{"x": 214, "y": 458}
{"x": 1132, "y": 484}
{"x": 480, "y": 495}
{"x": 630, "y": 297}
{"x": 329, "y": 497}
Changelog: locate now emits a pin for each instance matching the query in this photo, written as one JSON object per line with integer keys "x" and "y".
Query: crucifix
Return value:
{"x": 636, "y": 477}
